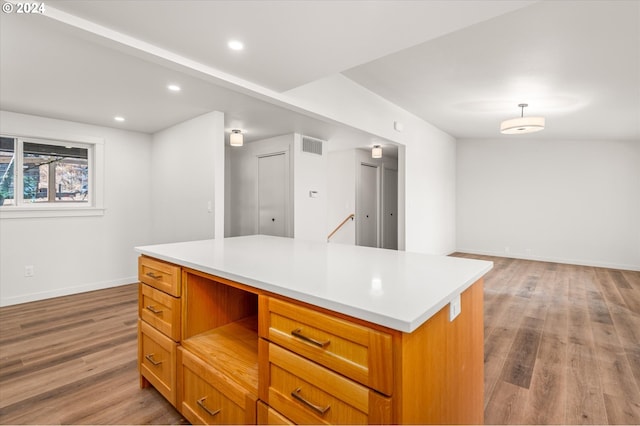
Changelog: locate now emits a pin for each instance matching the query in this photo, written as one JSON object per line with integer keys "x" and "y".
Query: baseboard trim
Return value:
{"x": 552, "y": 259}
{"x": 66, "y": 291}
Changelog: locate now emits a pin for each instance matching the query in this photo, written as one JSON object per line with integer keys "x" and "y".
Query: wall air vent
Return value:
{"x": 311, "y": 145}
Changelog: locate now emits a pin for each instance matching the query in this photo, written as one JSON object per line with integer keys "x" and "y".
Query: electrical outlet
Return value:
{"x": 29, "y": 271}
{"x": 455, "y": 307}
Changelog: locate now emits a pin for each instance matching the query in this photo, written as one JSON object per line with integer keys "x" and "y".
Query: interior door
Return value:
{"x": 389, "y": 209}
{"x": 273, "y": 191}
{"x": 367, "y": 208}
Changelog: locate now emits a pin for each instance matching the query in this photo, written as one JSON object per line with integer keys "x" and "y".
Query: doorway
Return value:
{"x": 377, "y": 204}
{"x": 273, "y": 194}
{"x": 389, "y": 208}
{"x": 367, "y": 206}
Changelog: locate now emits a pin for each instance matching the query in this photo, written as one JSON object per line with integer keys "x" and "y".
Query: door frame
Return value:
{"x": 383, "y": 195}
{"x": 377, "y": 166}
{"x": 288, "y": 188}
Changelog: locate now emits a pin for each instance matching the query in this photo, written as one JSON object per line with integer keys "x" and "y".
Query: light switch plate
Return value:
{"x": 455, "y": 307}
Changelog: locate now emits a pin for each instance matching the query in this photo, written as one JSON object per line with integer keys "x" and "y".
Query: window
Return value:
{"x": 7, "y": 167}
{"x": 38, "y": 174}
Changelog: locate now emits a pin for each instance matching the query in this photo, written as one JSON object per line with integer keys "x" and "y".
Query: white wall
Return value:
{"x": 342, "y": 188}
{"x": 430, "y": 186}
{"x": 76, "y": 254}
{"x": 187, "y": 160}
{"x": 428, "y": 162}
{"x": 310, "y": 174}
{"x": 242, "y": 183}
{"x": 341, "y": 193}
{"x": 564, "y": 201}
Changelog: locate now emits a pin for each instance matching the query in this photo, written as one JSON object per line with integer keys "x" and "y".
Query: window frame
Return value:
{"x": 94, "y": 206}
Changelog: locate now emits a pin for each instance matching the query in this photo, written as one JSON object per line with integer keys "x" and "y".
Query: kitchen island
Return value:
{"x": 274, "y": 330}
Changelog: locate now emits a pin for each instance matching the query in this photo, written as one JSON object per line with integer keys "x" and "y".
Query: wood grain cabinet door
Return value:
{"x": 358, "y": 352}
{"x": 157, "y": 360}
{"x": 209, "y": 397}
{"x": 161, "y": 275}
{"x": 308, "y": 393}
{"x": 269, "y": 416}
{"x": 160, "y": 310}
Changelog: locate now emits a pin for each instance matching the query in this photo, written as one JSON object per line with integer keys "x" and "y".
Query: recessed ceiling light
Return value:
{"x": 118, "y": 118}
{"x": 173, "y": 87}
{"x": 235, "y": 45}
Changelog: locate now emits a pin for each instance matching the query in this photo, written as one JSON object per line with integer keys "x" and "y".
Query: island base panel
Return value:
{"x": 440, "y": 367}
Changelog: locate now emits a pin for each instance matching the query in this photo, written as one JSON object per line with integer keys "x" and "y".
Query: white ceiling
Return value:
{"x": 461, "y": 65}
{"x": 575, "y": 62}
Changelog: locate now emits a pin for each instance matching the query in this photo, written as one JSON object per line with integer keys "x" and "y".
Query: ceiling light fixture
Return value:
{"x": 522, "y": 124}
{"x": 235, "y": 45}
{"x": 173, "y": 87}
{"x": 118, "y": 118}
{"x": 376, "y": 151}
{"x": 236, "y": 138}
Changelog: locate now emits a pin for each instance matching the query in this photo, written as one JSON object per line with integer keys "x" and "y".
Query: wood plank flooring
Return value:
{"x": 562, "y": 346}
{"x": 72, "y": 360}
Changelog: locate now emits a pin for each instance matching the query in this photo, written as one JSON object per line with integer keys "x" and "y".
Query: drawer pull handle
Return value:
{"x": 204, "y": 407}
{"x": 153, "y": 309}
{"x": 154, "y": 276}
{"x": 151, "y": 360}
{"x": 298, "y": 333}
{"x": 320, "y": 410}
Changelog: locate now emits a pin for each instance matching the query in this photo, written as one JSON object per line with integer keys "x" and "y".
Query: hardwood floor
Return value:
{"x": 562, "y": 346}
{"x": 72, "y": 360}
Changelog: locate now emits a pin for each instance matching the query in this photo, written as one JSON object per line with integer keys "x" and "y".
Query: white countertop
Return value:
{"x": 395, "y": 289}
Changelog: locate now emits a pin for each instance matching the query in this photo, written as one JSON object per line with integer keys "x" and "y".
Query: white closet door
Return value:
{"x": 367, "y": 209}
{"x": 272, "y": 195}
{"x": 390, "y": 209}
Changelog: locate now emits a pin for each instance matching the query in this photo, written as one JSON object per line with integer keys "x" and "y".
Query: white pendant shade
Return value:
{"x": 520, "y": 125}
{"x": 376, "y": 152}
{"x": 236, "y": 139}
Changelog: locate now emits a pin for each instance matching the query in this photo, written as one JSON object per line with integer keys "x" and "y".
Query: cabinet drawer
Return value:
{"x": 160, "y": 310}
{"x": 308, "y": 393}
{"x": 158, "y": 274}
{"x": 269, "y": 416}
{"x": 209, "y": 397}
{"x": 358, "y": 352}
{"x": 157, "y": 360}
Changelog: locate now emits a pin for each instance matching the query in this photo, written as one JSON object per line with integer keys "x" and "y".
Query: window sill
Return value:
{"x": 11, "y": 212}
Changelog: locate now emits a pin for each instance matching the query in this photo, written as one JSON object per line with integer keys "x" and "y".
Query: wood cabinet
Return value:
{"x": 157, "y": 360}
{"x": 269, "y": 416}
{"x": 218, "y": 359}
{"x": 358, "y": 352}
{"x": 207, "y": 396}
{"x": 159, "y": 312}
{"x": 227, "y": 353}
{"x": 161, "y": 275}
{"x": 308, "y": 393}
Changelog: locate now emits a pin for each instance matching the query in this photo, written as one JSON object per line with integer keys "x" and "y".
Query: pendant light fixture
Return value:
{"x": 376, "y": 151}
{"x": 235, "y": 139}
{"x": 522, "y": 124}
